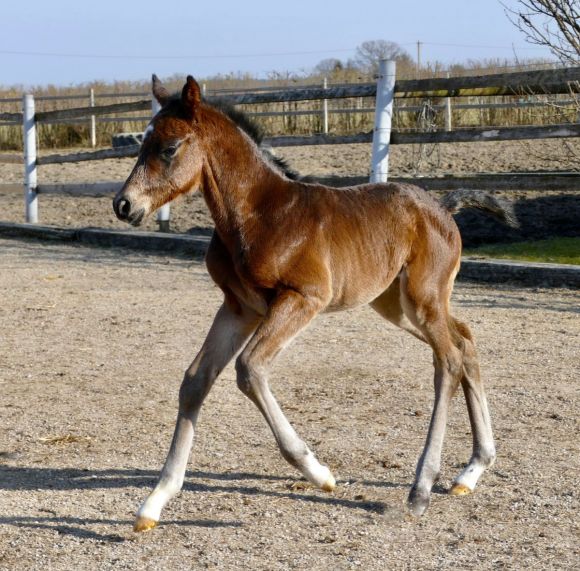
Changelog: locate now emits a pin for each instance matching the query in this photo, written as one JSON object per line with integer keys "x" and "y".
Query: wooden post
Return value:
{"x": 383, "y": 117}
{"x": 93, "y": 119}
{"x": 325, "y": 110}
{"x": 163, "y": 213}
{"x": 448, "y": 121}
{"x": 30, "y": 180}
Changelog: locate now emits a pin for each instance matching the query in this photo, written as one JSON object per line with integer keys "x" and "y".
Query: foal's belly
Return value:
{"x": 360, "y": 288}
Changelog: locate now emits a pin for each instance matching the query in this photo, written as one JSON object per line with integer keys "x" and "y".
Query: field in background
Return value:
{"x": 554, "y": 251}
{"x": 428, "y": 118}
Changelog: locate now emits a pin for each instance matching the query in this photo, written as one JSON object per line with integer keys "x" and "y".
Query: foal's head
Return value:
{"x": 170, "y": 159}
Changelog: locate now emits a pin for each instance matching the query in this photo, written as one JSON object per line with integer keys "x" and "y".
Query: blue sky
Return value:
{"x": 66, "y": 42}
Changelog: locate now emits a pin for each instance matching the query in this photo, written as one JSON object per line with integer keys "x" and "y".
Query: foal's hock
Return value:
{"x": 284, "y": 251}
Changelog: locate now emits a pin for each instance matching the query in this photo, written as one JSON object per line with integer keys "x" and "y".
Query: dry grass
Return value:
{"x": 78, "y": 134}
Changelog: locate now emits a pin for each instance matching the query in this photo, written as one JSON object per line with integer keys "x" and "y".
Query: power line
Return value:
{"x": 167, "y": 57}
{"x": 236, "y": 56}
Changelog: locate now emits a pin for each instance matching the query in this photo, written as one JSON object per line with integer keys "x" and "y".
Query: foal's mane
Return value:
{"x": 251, "y": 128}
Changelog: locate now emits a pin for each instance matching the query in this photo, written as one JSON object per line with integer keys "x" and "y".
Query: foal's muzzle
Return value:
{"x": 125, "y": 211}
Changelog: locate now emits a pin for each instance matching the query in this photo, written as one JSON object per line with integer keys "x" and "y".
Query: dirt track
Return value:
{"x": 92, "y": 348}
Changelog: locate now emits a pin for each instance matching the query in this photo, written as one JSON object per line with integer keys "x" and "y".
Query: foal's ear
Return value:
{"x": 159, "y": 92}
{"x": 191, "y": 96}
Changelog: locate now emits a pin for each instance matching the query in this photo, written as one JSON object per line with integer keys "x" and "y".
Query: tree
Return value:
{"x": 368, "y": 55}
{"x": 329, "y": 66}
{"x": 551, "y": 23}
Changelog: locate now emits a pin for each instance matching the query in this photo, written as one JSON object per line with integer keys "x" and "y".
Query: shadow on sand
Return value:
{"x": 62, "y": 479}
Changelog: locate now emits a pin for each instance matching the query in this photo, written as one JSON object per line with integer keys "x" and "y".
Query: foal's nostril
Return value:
{"x": 123, "y": 208}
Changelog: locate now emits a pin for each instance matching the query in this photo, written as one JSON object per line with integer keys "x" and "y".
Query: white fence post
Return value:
{"x": 383, "y": 117}
{"x": 448, "y": 121}
{"x": 93, "y": 119}
{"x": 325, "y": 110}
{"x": 30, "y": 180}
{"x": 163, "y": 213}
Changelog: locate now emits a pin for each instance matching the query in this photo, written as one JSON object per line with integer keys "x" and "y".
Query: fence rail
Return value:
{"x": 541, "y": 181}
{"x": 559, "y": 81}
{"x": 8, "y": 119}
{"x": 129, "y": 151}
{"x": 10, "y": 159}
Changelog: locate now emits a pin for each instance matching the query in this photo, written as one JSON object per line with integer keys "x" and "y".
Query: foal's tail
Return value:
{"x": 503, "y": 210}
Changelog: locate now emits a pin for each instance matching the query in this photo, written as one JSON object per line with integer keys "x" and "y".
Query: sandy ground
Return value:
{"x": 328, "y": 160}
{"x": 93, "y": 344}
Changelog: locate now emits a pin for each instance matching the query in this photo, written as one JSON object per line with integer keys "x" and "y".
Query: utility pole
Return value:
{"x": 418, "y": 60}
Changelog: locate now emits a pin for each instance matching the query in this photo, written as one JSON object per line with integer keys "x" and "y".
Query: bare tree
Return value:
{"x": 551, "y": 23}
{"x": 368, "y": 54}
{"x": 328, "y": 66}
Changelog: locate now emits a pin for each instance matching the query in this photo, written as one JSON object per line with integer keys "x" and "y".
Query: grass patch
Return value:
{"x": 554, "y": 251}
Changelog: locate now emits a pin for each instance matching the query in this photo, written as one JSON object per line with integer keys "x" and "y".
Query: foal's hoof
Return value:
{"x": 417, "y": 502}
{"x": 460, "y": 490}
{"x": 329, "y": 485}
{"x": 144, "y": 524}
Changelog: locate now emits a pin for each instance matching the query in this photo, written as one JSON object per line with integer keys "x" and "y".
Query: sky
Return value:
{"x": 64, "y": 42}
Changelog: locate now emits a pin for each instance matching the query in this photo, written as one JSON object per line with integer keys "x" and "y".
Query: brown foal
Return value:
{"x": 284, "y": 251}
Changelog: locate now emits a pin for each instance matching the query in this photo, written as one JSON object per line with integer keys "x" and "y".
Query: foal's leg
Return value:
{"x": 389, "y": 305}
{"x": 430, "y": 315}
{"x": 227, "y": 335}
{"x": 287, "y": 316}
{"x": 483, "y": 454}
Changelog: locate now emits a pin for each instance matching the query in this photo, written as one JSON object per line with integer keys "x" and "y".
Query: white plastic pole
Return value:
{"x": 325, "y": 109}
{"x": 383, "y": 117}
{"x": 30, "y": 180}
{"x": 93, "y": 119}
{"x": 163, "y": 213}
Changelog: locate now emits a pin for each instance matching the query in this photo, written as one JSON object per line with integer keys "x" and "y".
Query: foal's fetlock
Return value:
{"x": 487, "y": 457}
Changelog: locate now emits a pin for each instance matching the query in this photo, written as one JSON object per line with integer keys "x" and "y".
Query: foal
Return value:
{"x": 284, "y": 251}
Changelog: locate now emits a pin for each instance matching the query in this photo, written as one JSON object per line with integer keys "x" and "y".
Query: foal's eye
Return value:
{"x": 168, "y": 152}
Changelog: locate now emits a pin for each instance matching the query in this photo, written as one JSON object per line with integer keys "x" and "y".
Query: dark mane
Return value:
{"x": 252, "y": 129}
{"x": 240, "y": 118}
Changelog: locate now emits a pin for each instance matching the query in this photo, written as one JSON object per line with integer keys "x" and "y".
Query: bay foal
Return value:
{"x": 283, "y": 252}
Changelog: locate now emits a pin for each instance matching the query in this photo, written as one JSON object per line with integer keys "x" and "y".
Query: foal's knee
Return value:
{"x": 247, "y": 374}
{"x": 195, "y": 386}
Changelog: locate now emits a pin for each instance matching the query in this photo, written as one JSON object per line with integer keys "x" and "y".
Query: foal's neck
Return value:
{"x": 236, "y": 178}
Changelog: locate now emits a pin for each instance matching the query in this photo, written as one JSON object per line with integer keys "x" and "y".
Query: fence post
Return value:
{"x": 164, "y": 212}
{"x": 325, "y": 109}
{"x": 383, "y": 117}
{"x": 448, "y": 124}
{"x": 93, "y": 119}
{"x": 30, "y": 181}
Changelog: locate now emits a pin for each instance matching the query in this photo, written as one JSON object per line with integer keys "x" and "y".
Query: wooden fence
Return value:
{"x": 560, "y": 81}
